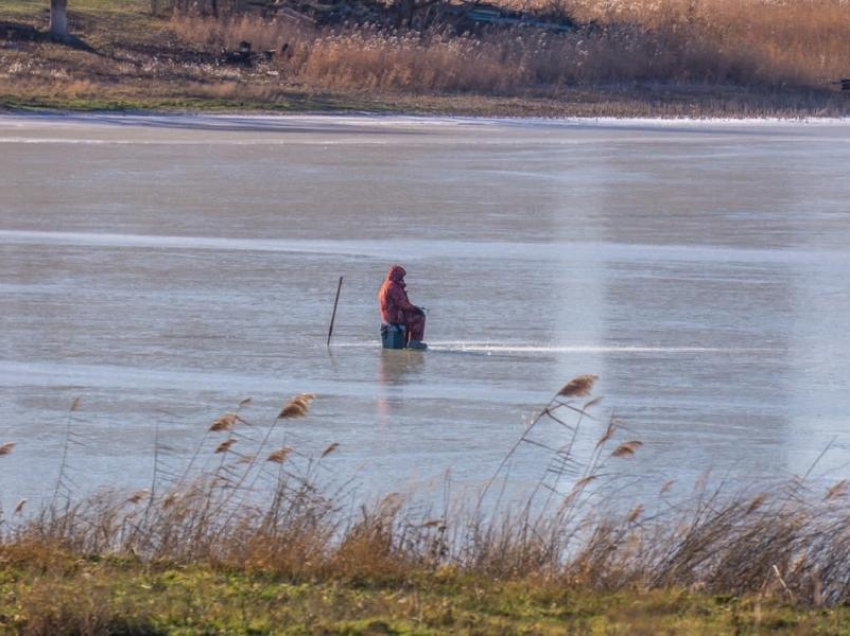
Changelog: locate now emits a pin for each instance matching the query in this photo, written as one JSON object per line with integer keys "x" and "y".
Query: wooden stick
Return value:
{"x": 333, "y": 317}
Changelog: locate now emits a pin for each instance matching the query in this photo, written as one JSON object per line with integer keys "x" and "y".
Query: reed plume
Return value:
{"x": 580, "y": 386}
{"x": 626, "y": 449}
{"x": 330, "y": 449}
{"x": 225, "y": 445}
{"x": 225, "y": 423}
{"x": 298, "y": 406}
{"x": 279, "y": 455}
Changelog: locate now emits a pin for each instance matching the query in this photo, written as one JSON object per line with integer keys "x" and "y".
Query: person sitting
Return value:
{"x": 396, "y": 308}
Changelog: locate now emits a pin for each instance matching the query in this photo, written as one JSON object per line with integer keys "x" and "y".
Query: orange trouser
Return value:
{"x": 415, "y": 325}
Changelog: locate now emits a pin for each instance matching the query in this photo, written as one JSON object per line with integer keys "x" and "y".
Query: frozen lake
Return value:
{"x": 163, "y": 269}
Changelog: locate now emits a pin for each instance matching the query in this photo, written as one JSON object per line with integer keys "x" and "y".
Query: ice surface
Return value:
{"x": 164, "y": 268}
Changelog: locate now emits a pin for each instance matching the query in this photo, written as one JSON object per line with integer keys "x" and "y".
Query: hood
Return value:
{"x": 396, "y": 274}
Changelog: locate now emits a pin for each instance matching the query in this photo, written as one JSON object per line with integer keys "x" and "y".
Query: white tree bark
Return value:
{"x": 59, "y": 19}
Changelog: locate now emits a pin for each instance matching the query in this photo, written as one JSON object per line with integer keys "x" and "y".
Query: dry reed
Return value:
{"x": 279, "y": 517}
{"x": 578, "y": 387}
{"x": 755, "y": 43}
{"x": 297, "y": 406}
{"x": 225, "y": 423}
{"x": 279, "y": 455}
{"x": 627, "y": 449}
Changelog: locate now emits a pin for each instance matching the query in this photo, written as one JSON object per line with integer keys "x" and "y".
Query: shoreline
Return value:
{"x": 126, "y": 61}
{"x": 405, "y": 117}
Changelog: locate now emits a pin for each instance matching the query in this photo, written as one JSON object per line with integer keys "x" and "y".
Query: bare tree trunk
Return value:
{"x": 153, "y": 8}
{"x": 59, "y": 20}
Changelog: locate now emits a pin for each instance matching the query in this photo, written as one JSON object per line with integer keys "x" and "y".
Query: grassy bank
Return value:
{"x": 66, "y": 594}
{"x": 254, "y": 537}
{"x": 673, "y": 59}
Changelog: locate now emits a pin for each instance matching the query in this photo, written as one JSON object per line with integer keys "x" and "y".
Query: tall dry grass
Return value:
{"x": 802, "y": 42}
{"x": 247, "y": 503}
{"x": 750, "y": 43}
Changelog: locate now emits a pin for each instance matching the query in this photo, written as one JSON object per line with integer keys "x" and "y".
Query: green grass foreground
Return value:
{"x": 71, "y": 595}
{"x": 126, "y": 60}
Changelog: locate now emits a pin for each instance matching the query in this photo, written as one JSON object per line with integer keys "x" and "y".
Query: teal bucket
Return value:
{"x": 393, "y": 336}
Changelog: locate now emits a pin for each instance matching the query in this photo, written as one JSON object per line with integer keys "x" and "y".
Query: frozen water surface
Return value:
{"x": 163, "y": 268}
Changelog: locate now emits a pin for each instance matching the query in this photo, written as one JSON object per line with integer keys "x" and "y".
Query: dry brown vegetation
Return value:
{"x": 643, "y": 58}
{"x": 264, "y": 510}
{"x": 752, "y": 43}
{"x": 746, "y": 41}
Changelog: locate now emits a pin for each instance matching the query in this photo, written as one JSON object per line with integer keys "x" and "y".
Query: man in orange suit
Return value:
{"x": 396, "y": 308}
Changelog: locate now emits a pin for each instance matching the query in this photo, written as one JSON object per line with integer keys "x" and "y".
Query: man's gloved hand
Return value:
{"x": 419, "y": 311}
